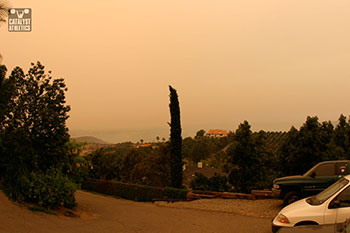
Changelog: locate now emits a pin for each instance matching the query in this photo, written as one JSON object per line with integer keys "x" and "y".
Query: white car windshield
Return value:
{"x": 328, "y": 192}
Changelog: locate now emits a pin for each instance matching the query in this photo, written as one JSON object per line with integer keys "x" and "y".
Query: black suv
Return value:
{"x": 292, "y": 188}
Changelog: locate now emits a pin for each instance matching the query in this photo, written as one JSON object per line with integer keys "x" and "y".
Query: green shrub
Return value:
{"x": 133, "y": 191}
{"x": 50, "y": 190}
{"x": 216, "y": 183}
{"x": 173, "y": 193}
{"x": 79, "y": 170}
{"x": 200, "y": 182}
{"x": 15, "y": 186}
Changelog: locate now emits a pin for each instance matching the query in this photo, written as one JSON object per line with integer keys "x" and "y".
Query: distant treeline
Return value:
{"x": 251, "y": 159}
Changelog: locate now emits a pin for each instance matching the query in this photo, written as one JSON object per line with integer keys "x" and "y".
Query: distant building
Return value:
{"x": 145, "y": 145}
{"x": 217, "y": 133}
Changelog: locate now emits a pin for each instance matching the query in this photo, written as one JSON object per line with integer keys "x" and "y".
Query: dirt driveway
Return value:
{"x": 264, "y": 208}
{"x": 104, "y": 214}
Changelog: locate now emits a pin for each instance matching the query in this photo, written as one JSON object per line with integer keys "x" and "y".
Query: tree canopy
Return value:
{"x": 247, "y": 159}
{"x": 34, "y": 135}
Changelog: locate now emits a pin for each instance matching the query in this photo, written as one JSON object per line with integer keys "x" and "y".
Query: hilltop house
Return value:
{"x": 145, "y": 145}
{"x": 217, "y": 133}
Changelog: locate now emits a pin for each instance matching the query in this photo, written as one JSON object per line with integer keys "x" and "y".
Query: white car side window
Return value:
{"x": 344, "y": 198}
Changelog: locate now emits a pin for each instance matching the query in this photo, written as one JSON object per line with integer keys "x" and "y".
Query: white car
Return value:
{"x": 330, "y": 206}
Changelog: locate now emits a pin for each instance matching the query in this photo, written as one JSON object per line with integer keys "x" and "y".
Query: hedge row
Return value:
{"x": 133, "y": 191}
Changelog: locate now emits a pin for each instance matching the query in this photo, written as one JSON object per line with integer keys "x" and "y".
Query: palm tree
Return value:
{"x": 4, "y": 8}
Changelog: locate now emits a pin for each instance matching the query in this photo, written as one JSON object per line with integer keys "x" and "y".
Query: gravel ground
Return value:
{"x": 263, "y": 208}
{"x": 107, "y": 214}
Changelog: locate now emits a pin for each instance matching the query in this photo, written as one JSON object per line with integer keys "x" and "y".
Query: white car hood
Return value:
{"x": 303, "y": 211}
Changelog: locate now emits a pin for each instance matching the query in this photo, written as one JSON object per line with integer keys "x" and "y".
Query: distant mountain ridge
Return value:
{"x": 90, "y": 139}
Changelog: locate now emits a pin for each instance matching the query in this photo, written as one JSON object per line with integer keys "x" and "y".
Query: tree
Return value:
{"x": 289, "y": 152}
{"x": 80, "y": 166}
{"x": 175, "y": 140}
{"x": 342, "y": 135}
{"x": 216, "y": 183}
{"x": 107, "y": 163}
{"x": 34, "y": 135}
{"x": 200, "y": 151}
{"x": 187, "y": 147}
{"x": 312, "y": 143}
{"x": 7, "y": 90}
{"x": 246, "y": 158}
{"x": 4, "y": 7}
{"x": 154, "y": 169}
{"x": 129, "y": 161}
{"x": 200, "y": 134}
{"x": 304, "y": 148}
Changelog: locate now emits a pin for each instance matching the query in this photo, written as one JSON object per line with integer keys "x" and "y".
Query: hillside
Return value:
{"x": 90, "y": 139}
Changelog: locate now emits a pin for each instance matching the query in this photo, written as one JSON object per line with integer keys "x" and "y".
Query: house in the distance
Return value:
{"x": 145, "y": 145}
{"x": 217, "y": 133}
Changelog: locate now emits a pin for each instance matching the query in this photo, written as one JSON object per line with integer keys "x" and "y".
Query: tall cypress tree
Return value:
{"x": 175, "y": 140}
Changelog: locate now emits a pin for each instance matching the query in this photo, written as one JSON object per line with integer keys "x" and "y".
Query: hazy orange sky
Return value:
{"x": 270, "y": 62}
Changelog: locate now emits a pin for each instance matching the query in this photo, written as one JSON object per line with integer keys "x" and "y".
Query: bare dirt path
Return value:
{"x": 104, "y": 214}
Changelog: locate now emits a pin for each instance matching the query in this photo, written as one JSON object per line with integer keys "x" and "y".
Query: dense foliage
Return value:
{"x": 51, "y": 189}
{"x": 79, "y": 166}
{"x": 106, "y": 163}
{"x": 33, "y": 133}
{"x": 312, "y": 143}
{"x": 251, "y": 159}
{"x": 125, "y": 163}
{"x": 215, "y": 183}
{"x": 202, "y": 148}
{"x": 247, "y": 159}
{"x": 134, "y": 191}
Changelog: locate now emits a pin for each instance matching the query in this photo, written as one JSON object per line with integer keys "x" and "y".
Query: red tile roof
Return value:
{"x": 217, "y": 132}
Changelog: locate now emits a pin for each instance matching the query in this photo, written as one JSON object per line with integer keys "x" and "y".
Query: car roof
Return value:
{"x": 335, "y": 161}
